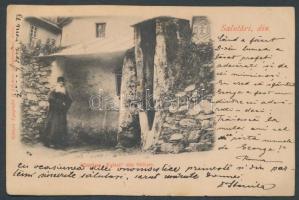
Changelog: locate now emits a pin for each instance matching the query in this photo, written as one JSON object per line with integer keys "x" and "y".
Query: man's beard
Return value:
{"x": 60, "y": 88}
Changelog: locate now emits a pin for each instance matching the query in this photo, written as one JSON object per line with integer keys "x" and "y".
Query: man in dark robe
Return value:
{"x": 56, "y": 124}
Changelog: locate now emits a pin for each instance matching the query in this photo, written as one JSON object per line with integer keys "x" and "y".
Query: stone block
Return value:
{"x": 167, "y": 131}
{"x": 171, "y": 126}
{"x": 194, "y": 136}
{"x": 29, "y": 90}
{"x": 200, "y": 146}
{"x": 43, "y": 80}
{"x": 39, "y": 120}
{"x": 183, "y": 108}
{"x": 187, "y": 122}
{"x": 206, "y": 106}
{"x": 172, "y": 148}
{"x": 178, "y": 117}
{"x": 190, "y": 88}
{"x": 204, "y": 116}
{"x": 32, "y": 97}
{"x": 34, "y": 108}
{"x": 206, "y": 124}
{"x": 195, "y": 94}
{"x": 43, "y": 103}
{"x": 44, "y": 73}
{"x": 201, "y": 32}
{"x": 195, "y": 110}
{"x": 170, "y": 119}
{"x": 173, "y": 109}
{"x": 180, "y": 94}
{"x": 176, "y": 137}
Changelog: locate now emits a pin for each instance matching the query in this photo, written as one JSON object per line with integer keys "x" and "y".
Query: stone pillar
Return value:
{"x": 180, "y": 54}
{"x": 139, "y": 61}
{"x": 129, "y": 129}
{"x": 171, "y": 37}
{"x": 161, "y": 83}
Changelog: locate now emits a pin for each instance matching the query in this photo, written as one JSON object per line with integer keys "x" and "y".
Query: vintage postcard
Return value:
{"x": 141, "y": 100}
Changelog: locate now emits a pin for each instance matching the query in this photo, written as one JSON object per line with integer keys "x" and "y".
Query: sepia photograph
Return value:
{"x": 150, "y": 100}
{"x": 121, "y": 83}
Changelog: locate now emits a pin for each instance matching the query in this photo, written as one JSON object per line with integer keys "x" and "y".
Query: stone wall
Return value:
{"x": 35, "y": 89}
{"x": 188, "y": 121}
{"x": 187, "y": 124}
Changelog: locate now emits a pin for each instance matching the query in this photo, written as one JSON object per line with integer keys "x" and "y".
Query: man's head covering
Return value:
{"x": 60, "y": 79}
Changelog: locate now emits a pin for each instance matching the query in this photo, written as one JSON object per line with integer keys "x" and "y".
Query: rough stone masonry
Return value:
{"x": 172, "y": 75}
{"x": 35, "y": 100}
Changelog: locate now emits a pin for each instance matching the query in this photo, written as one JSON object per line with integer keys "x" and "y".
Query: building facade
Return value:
{"x": 41, "y": 30}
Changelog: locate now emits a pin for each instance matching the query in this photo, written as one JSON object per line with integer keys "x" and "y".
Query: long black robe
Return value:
{"x": 56, "y": 124}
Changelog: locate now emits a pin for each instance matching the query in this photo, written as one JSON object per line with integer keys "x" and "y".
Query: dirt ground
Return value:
{"x": 83, "y": 151}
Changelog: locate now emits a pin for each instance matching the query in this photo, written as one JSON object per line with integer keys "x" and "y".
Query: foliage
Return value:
{"x": 129, "y": 135}
{"x": 102, "y": 138}
{"x": 34, "y": 88}
{"x": 29, "y": 53}
{"x": 197, "y": 64}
